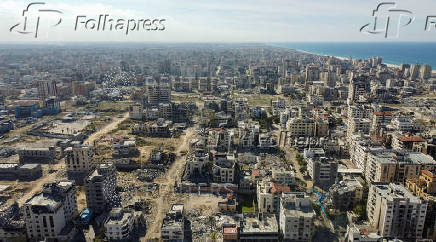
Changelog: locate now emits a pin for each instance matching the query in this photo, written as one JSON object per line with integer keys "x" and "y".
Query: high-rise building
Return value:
{"x": 329, "y": 79}
{"x": 158, "y": 92}
{"x": 79, "y": 161}
{"x": 101, "y": 184}
{"x": 395, "y": 212}
{"x": 312, "y": 74}
{"x": 425, "y": 72}
{"x": 46, "y": 89}
{"x": 359, "y": 87}
{"x": 48, "y": 214}
{"x": 414, "y": 72}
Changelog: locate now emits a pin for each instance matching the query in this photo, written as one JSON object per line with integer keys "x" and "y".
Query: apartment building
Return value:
{"x": 223, "y": 168}
{"x": 101, "y": 185}
{"x": 158, "y": 92}
{"x": 301, "y": 127}
{"x": 345, "y": 195}
{"x": 259, "y": 227}
{"x": 283, "y": 176}
{"x": 248, "y": 134}
{"x": 360, "y": 146}
{"x": 173, "y": 225}
{"x": 395, "y": 212}
{"x": 323, "y": 171}
{"x": 196, "y": 163}
{"x": 79, "y": 158}
{"x": 380, "y": 120}
{"x": 296, "y": 217}
{"x": 48, "y": 214}
{"x": 396, "y": 165}
{"x": 37, "y": 155}
{"x": 136, "y": 111}
{"x": 119, "y": 224}
{"x": 425, "y": 185}
{"x": 268, "y": 196}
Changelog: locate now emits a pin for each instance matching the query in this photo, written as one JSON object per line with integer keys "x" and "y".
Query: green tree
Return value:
{"x": 360, "y": 210}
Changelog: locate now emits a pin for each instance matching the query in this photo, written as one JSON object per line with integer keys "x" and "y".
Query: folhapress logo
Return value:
{"x": 32, "y": 16}
{"x": 388, "y": 20}
{"x": 35, "y": 13}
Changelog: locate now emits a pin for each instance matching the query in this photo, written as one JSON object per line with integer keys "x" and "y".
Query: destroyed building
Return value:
{"x": 101, "y": 184}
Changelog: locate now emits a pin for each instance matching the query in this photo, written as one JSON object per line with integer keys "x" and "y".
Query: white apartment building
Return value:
{"x": 396, "y": 165}
{"x": 402, "y": 124}
{"x": 48, "y": 214}
{"x": 223, "y": 169}
{"x": 395, "y": 212}
{"x": 283, "y": 176}
{"x": 360, "y": 146}
{"x": 196, "y": 162}
{"x": 296, "y": 217}
{"x": 268, "y": 196}
{"x": 358, "y": 125}
{"x": 298, "y": 127}
{"x": 79, "y": 158}
{"x": 119, "y": 224}
{"x": 248, "y": 133}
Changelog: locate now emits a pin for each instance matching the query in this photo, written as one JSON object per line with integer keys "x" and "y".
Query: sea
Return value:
{"x": 394, "y": 53}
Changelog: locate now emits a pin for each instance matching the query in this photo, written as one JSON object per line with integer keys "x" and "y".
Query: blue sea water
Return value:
{"x": 392, "y": 52}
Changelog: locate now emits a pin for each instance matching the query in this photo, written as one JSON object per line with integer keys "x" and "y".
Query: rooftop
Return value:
{"x": 297, "y": 205}
{"x": 266, "y": 223}
{"x": 393, "y": 191}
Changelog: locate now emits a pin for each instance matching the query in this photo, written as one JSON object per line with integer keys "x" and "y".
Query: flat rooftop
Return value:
{"x": 267, "y": 224}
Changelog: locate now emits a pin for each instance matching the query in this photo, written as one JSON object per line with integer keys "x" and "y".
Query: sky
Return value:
{"x": 256, "y": 21}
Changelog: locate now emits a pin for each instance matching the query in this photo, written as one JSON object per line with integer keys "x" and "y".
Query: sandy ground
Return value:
{"x": 30, "y": 188}
{"x": 113, "y": 125}
{"x": 167, "y": 193}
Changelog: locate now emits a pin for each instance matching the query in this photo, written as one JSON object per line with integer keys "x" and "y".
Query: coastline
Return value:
{"x": 348, "y": 58}
{"x": 389, "y": 65}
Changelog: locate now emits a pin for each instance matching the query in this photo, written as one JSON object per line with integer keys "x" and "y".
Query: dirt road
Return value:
{"x": 36, "y": 186}
{"x": 106, "y": 129}
{"x": 166, "y": 183}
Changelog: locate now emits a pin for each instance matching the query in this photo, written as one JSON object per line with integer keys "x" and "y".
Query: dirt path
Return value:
{"x": 166, "y": 183}
{"x": 106, "y": 129}
{"x": 37, "y": 185}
